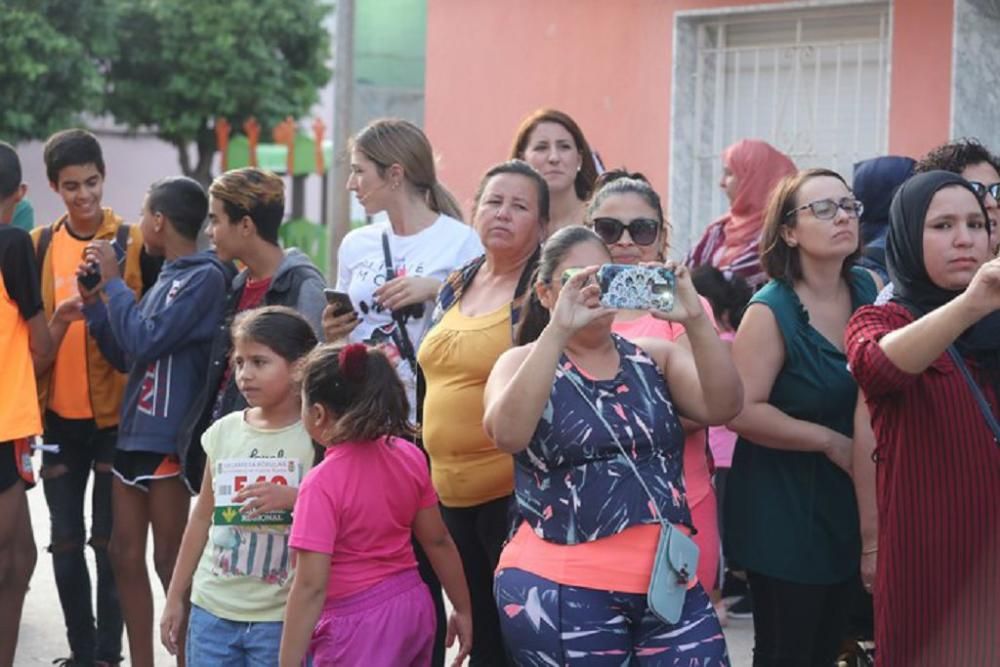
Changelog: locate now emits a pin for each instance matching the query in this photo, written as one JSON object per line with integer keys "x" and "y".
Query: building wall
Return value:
{"x": 976, "y": 89}
{"x": 609, "y": 65}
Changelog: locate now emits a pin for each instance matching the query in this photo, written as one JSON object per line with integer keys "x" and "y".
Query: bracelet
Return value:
{"x": 867, "y": 552}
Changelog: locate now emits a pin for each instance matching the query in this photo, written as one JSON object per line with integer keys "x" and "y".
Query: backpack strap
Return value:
{"x": 121, "y": 236}
{"x": 42, "y": 247}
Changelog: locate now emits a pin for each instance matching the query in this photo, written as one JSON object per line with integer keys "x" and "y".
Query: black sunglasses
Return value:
{"x": 642, "y": 231}
{"x": 981, "y": 190}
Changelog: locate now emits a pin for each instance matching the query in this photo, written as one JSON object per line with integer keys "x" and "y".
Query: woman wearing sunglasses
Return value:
{"x": 791, "y": 517}
{"x": 750, "y": 170}
{"x": 626, "y": 213}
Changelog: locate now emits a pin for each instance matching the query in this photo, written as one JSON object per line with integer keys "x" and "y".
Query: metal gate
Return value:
{"x": 813, "y": 83}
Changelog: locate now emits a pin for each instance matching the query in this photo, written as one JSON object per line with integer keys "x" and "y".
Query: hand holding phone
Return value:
{"x": 93, "y": 275}
{"x": 341, "y": 301}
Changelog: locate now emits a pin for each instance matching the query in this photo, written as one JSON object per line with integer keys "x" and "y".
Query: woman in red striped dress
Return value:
{"x": 937, "y": 584}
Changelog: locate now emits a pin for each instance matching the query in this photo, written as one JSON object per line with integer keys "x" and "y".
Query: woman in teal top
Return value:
{"x": 790, "y": 514}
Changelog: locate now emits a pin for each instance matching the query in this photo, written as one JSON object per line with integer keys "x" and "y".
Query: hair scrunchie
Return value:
{"x": 352, "y": 360}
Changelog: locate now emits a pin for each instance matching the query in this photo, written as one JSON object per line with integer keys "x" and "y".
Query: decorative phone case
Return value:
{"x": 629, "y": 287}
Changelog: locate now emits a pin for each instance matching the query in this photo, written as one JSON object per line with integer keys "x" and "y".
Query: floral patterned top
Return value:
{"x": 572, "y": 483}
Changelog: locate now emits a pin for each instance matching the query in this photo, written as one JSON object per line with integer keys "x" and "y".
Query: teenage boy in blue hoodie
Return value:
{"x": 164, "y": 342}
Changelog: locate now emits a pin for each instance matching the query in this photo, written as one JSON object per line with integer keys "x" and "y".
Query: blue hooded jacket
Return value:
{"x": 163, "y": 341}
{"x": 875, "y": 183}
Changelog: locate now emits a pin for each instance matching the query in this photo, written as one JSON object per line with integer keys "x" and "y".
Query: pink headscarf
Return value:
{"x": 758, "y": 167}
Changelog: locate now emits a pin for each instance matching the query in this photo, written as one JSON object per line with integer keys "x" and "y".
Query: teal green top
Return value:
{"x": 24, "y": 216}
{"x": 792, "y": 515}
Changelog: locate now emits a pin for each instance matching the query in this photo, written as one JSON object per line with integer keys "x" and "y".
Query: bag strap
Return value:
{"x": 984, "y": 405}
{"x": 403, "y": 341}
{"x": 42, "y": 247}
{"x": 577, "y": 384}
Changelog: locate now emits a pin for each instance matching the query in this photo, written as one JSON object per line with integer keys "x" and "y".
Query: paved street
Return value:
{"x": 43, "y": 636}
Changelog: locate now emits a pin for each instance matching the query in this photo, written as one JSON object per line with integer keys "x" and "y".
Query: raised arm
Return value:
{"x": 915, "y": 347}
{"x": 759, "y": 354}
{"x": 521, "y": 382}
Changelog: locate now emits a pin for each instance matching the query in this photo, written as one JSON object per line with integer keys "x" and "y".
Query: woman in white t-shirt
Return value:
{"x": 392, "y": 271}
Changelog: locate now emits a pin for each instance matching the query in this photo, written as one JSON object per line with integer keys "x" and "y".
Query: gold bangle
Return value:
{"x": 866, "y": 552}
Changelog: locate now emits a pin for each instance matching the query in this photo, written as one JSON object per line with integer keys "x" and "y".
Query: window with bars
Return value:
{"x": 814, "y": 83}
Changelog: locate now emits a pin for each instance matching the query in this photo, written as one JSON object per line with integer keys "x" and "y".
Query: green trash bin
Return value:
{"x": 307, "y": 236}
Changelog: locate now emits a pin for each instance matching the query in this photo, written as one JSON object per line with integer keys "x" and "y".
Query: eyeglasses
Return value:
{"x": 642, "y": 231}
{"x": 826, "y": 209}
{"x": 981, "y": 190}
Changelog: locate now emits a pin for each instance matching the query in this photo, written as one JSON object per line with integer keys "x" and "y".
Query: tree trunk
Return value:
{"x": 182, "y": 156}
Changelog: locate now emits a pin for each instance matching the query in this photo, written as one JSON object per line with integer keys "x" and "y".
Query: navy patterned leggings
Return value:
{"x": 548, "y": 624}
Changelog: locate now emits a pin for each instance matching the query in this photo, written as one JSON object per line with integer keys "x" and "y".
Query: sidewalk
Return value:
{"x": 43, "y": 638}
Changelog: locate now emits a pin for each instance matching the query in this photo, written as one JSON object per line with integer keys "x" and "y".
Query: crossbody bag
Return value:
{"x": 676, "y": 560}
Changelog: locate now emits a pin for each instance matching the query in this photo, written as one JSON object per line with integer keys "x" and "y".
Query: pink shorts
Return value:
{"x": 392, "y": 623}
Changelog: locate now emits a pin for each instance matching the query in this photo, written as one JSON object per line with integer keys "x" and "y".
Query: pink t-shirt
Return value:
{"x": 721, "y": 440}
{"x": 697, "y": 477}
{"x": 358, "y": 505}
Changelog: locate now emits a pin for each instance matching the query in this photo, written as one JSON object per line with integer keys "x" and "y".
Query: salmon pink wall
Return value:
{"x": 920, "y": 91}
{"x": 608, "y": 64}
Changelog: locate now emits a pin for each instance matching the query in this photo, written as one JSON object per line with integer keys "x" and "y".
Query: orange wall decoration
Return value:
{"x": 609, "y": 65}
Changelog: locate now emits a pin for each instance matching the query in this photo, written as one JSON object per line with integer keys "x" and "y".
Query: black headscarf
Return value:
{"x": 875, "y": 182}
{"x": 904, "y": 251}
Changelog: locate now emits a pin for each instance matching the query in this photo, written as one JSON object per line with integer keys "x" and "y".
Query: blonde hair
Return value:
{"x": 389, "y": 141}
{"x": 255, "y": 193}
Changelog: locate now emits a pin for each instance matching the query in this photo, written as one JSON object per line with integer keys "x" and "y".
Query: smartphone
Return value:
{"x": 340, "y": 301}
{"x": 632, "y": 287}
{"x": 92, "y": 278}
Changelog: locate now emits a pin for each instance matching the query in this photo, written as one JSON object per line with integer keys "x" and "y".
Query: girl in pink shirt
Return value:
{"x": 357, "y": 597}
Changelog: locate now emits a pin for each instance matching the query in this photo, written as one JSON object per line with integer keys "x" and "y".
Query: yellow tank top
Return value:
{"x": 457, "y": 356}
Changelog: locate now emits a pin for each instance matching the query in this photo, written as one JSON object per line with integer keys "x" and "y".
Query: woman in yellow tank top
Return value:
{"x": 478, "y": 309}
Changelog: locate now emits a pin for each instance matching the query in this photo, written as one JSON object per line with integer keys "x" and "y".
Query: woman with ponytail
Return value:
{"x": 478, "y": 310}
{"x": 392, "y": 271}
{"x": 358, "y": 597}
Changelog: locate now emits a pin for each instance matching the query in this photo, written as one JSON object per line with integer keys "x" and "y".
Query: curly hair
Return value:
{"x": 955, "y": 156}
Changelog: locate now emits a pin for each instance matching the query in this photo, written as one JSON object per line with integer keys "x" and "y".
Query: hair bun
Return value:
{"x": 353, "y": 359}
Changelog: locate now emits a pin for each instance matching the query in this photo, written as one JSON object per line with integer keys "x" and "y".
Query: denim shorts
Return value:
{"x": 216, "y": 642}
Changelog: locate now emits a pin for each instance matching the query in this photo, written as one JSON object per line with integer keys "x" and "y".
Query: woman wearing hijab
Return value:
{"x": 750, "y": 170}
{"x": 937, "y": 584}
{"x": 875, "y": 182}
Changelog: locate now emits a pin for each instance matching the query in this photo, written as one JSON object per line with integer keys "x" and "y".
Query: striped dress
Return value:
{"x": 937, "y": 588}
{"x": 709, "y": 251}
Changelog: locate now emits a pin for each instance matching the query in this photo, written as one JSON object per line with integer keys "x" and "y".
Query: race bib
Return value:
{"x": 231, "y": 475}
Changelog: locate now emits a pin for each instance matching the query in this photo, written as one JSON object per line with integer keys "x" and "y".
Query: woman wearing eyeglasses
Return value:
{"x": 790, "y": 513}
{"x": 750, "y": 170}
{"x": 627, "y": 214}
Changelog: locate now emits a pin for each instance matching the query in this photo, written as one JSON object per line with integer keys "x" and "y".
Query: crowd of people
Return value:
{"x": 813, "y": 421}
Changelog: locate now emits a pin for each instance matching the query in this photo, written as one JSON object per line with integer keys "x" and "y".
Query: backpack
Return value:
{"x": 45, "y": 240}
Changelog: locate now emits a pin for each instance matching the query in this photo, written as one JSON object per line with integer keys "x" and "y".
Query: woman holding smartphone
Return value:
{"x": 593, "y": 422}
{"x": 392, "y": 271}
{"x": 626, "y": 213}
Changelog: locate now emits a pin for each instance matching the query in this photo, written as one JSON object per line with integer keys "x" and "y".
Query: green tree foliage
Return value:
{"x": 179, "y": 64}
{"x": 50, "y": 69}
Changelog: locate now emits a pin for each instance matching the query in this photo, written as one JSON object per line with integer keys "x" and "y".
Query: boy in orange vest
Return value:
{"x": 24, "y": 339}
